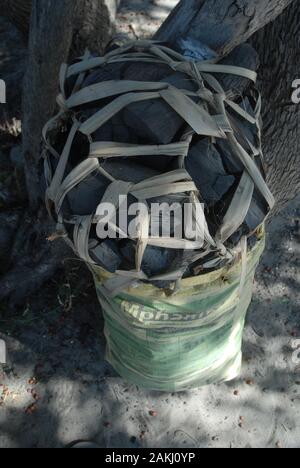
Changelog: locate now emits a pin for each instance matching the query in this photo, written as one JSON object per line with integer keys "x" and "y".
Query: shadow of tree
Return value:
{"x": 56, "y": 350}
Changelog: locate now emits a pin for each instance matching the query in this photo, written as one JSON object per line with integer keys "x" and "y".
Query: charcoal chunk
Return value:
{"x": 156, "y": 260}
{"x": 127, "y": 170}
{"x": 104, "y": 133}
{"x": 113, "y": 130}
{"x": 242, "y": 56}
{"x": 244, "y": 131}
{"x": 105, "y": 73}
{"x": 257, "y": 212}
{"x": 106, "y": 255}
{"x": 210, "y": 262}
{"x": 84, "y": 199}
{"x": 223, "y": 184}
{"x": 121, "y": 133}
{"x": 205, "y": 166}
{"x": 181, "y": 81}
{"x": 147, "y": 71}
{"x": 159, "y": 163}
{"x": 155, "y": 120}
{"x": 255, "y": 217}
{"x": 231, "y": 162}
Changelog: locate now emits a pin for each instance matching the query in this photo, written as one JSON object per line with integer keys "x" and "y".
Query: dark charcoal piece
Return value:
{"x": 180, "y": 261}
{"x": 252, "y": 241}
{"x": 99, "y": 76}
{"x": 257, "y": 212}
{"x": 242, "y": 56}
{"x": 147, "y": 71}
{"x": 181, "y": 81}
{"x": 207, "y": 264}
{"x": 223, "y": 184}
{"x": 156, "y": 261}
{"x": 113, "y": 130}
{"x": 84, "y": 198}
{"x": 231, "y": 162}
{"x": 127, "y": 170}
{"x": 159, "y": 163}
{"x": 255, "y": 217}
{"x": 205, "y": 166}
{"x": 107, "y": 255}
{"x": 244, "y": 131}
{"x": 121, "y": 133}
{"x": 236, "y": 237}
{"x": 106, "y": 73}
{"x": 104, "y": 133}
{"x": 155, "y": 120}
{"x": 80, "y": 149}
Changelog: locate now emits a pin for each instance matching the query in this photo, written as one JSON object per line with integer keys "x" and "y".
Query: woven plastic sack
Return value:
{"x": 160, "y": 339}
{"x": 189, "y": 339}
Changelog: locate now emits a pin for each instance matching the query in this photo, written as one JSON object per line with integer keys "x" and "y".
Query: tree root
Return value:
{"x": 34, "y": 259}
{"x": 22, "y": 281}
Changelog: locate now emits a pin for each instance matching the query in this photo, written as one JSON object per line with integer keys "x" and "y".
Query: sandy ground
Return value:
{"x": 57, "y": 388}
{"x": 141, "y": 18}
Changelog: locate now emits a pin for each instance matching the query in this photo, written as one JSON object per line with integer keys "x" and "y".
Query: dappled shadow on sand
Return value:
{"x": 142, "y": 18}
{"x": 57, "y": 387}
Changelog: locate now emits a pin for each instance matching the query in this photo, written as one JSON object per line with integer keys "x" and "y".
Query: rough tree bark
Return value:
{"x": 278, "y": 45}
{"x": 58, "y": 31}
{"x": 33, "y": 258}
{"x": 49, "y": 44}
{"x": 92, "y": 25}
{"x": 221, "y": 24}
{"x": 18, "y": 12}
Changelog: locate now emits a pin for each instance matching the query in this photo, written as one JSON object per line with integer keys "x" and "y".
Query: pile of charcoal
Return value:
{"x": 136, "y": 99}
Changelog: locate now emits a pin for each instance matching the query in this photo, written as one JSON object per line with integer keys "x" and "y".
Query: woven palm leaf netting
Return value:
{"x": 147, "y": 123}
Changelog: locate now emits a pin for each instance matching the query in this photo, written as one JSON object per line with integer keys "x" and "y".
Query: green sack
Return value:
{"x": 189, "y": 339}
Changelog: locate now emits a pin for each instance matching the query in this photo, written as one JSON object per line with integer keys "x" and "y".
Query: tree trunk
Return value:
{"x": 18, "y": 12}
{"x": 57, "y": 30}
{"x": 49, "y": 44}
{"x": 279, "y": 49}
{"x": 94, "y": 25}
{"x": 220, "y": 24}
